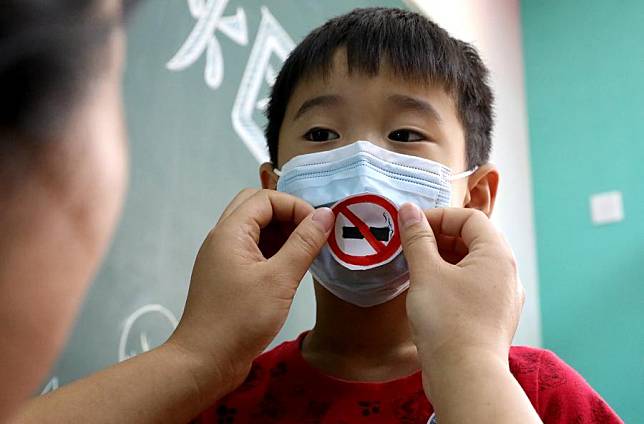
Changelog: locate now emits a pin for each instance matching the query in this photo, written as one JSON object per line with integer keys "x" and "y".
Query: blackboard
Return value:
{"x": 197, "y": 76}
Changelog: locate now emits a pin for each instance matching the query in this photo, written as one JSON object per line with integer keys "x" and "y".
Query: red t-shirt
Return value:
{"x": 283, "y": 388}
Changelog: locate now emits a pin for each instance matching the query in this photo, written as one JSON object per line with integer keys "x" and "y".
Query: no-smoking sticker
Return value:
{"x": 366, "y": 231}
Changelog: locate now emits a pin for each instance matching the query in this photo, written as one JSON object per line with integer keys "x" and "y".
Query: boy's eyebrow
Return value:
{"x": 414, "y": 104}
{"x": 326, "y": 100}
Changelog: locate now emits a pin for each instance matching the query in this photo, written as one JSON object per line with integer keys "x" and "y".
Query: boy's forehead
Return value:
{"x": 339, "y": 79}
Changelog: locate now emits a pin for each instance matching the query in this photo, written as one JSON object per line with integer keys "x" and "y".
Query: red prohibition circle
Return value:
{"x": 383, "y": 252}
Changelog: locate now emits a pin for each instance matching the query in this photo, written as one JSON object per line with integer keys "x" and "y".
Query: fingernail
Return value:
{"x": 409, "y": 214}
{"x": 323, "y": 218}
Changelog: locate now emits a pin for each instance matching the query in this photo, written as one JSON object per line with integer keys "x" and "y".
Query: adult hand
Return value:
{"x": 243, "y": 282}
{"x": 465, "y": 296}
{"x": 244, "y": 279}
{"x": 463, "y": 305}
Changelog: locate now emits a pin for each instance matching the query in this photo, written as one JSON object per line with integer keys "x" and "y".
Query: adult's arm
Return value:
{"x": 239, "y": 297}
{"x": 464, "y": 304}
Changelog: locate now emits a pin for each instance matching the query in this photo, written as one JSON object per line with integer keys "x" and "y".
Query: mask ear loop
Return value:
{"x": 277, "y": 172}
{"x": 464, "y": 174}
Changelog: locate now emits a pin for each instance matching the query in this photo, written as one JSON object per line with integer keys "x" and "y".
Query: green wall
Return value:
{"x": 585, "y": 84}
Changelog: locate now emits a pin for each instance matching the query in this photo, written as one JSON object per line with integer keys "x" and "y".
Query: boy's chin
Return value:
{"x": 325, "y": 298}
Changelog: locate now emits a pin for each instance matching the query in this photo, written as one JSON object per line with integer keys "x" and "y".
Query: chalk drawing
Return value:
{"x": 271, "y": 41}
{"x": 50, "y": 386}
{"x": 144, "y": 344}
{"x": 209, "y": 15}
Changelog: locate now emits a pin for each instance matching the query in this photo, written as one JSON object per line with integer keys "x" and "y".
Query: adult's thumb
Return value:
{"x": 304, "y": 244}
{"x": 418, "y": 241}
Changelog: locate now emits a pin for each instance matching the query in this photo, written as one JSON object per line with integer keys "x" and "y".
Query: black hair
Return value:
{"x": 49, "y": 51}
{"x": 415, "y": 48}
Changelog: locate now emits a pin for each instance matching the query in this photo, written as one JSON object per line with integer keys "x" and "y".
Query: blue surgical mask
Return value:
{"x": 342, "y": 176}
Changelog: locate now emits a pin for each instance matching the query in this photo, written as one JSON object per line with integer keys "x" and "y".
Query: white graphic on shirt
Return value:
{"x": 210, "y": 19}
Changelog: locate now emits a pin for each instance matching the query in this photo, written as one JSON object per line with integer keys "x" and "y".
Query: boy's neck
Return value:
{"x": 360, "y": 344}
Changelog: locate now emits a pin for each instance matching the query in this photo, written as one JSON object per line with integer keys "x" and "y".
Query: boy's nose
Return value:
{"x": 379, "y": 141}
{"x": 372, "y": 138}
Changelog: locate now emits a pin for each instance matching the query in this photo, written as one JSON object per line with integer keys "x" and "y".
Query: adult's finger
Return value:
{"x": 452, "y": 249}
{"x": 470, "y": 225}
{"x": 418, "y": 240}
{"x": 237, "y": 200}
{"x": 303, "y": 245}
{"x": 264, "y": 206}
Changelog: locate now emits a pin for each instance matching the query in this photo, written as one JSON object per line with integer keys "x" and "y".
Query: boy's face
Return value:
{"x": 405, "y": 117}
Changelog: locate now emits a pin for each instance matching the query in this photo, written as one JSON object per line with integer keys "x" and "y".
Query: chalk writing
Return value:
{"x": 155, "y": 312}
{"x": 271, "y": 41}
{"x": 210, "y": 19}
{"x": 50, "y": 386}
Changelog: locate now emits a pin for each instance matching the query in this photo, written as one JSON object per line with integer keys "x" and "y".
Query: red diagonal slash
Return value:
{"x": 383, "y": 252}
{"x": 377, "y": 245}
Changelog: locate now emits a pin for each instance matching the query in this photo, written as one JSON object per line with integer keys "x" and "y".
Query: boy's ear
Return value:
{"x": 481, "y": 189}
{"x": 267, "y": 176}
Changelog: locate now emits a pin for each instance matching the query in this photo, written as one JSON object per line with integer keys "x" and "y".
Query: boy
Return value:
{"x": 400, "y": 83}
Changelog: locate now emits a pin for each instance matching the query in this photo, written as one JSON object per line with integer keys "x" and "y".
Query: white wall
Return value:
{"x": 494, "y": 27}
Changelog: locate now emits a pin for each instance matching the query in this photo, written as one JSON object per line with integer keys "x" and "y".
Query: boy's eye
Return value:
{"x": 405, "y": 135}
{"x": 321, "y": 134}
